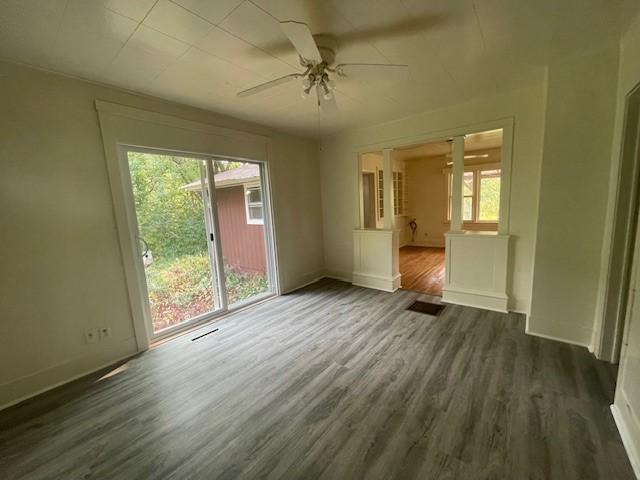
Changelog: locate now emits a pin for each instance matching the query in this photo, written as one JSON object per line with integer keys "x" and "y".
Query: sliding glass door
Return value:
{"x": 201, "y": 229}
{"x": 240, "y": 209}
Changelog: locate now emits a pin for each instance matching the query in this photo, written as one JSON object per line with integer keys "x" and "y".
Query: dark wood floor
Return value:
{"x": 335, "y": 382}
{"x": 422, "y": 269}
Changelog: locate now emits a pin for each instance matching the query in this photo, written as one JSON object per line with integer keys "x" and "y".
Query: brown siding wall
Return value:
{"x": 242, "y": 244}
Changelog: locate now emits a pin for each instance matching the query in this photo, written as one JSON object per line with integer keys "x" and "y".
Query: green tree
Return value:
{"x": 489, "y": 198}
{"x": 170, "y": 217}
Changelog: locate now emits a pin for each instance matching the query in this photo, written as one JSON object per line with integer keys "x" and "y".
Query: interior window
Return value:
{"x": 468, "y": 200}
{"x": 481, "y": 195}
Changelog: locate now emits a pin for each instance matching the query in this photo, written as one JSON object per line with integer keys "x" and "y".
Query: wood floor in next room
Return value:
{"x": 336, "y": 382}
{"x": 422, "y": 269}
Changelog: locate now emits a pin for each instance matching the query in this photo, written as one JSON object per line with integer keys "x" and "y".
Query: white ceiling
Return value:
{"x": 201, "y": 52}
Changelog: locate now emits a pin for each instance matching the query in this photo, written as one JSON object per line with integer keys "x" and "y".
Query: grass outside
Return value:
{"x": 181, "y": 288}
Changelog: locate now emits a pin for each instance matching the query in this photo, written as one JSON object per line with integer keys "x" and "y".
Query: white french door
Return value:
{"x": 203, "y": 227}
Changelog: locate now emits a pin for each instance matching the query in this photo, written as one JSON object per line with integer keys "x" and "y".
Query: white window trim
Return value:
{"x": 251, "y": 221}
{"x": 123, "y": 128}
{"x": 476, "y": 192}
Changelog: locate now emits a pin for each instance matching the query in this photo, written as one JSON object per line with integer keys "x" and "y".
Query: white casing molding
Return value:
{"x": 375, "y": 259}
{"x": 629, "y": 428}
{"x": 125, "y": 128}
{"x": 476, "y": 270}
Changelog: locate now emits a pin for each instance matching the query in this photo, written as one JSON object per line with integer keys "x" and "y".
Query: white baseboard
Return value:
{"x": 20, "y": 389}
{"x": 630, "y": 434}
{"x": 426, "y": 244}
{"x": 377, "y": 282}
{"x": 308, "y": 280}
{"x": 565, "y": 333}
{"x": 557, "y": 339}
{"x": 339, "y": 275}
{"x": 471, "y": 298}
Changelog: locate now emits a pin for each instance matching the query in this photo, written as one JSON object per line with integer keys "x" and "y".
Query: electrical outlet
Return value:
{"x": 105, "y": 332}
{"x": 91, "y": 335}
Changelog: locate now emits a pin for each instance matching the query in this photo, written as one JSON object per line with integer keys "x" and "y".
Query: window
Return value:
{"x": 398, "y": 193}
{"x": 468, "y": 197}
{"x": 254, "y": 207}
{"x": 489, "y": 195}
{"x": 380, "y": 194}
{"x": 449, "y": 193}
{"x": 480, "y": 194}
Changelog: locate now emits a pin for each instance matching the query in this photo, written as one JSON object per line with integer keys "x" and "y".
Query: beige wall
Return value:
{"x": 574, "y": 186}
{"x": 339, "y": 193}
{"x": 61, "y": 265}
{"x": 427, "y": 195}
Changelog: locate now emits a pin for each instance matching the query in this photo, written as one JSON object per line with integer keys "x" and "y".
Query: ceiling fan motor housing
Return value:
{"x": 327, "y": 47}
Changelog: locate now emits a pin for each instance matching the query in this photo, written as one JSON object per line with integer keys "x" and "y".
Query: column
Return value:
{"x": 457, "y": 171}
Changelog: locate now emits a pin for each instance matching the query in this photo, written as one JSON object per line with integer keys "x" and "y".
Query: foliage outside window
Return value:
{"x": 172, "y": 223}
{"x": 489, "y": 195}
{"x": 480, "y": 194}
{"x": 254, "y": 206}
{"x": 468, "y": 196}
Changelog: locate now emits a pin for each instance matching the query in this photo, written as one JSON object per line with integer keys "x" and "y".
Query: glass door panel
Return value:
{"x": 175, "y": 233}
{"x": 240, "y": 208}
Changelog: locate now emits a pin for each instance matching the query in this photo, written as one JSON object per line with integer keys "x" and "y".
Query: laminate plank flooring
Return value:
{"x": 422, "y": 269}
{"x": 333, "y": 382}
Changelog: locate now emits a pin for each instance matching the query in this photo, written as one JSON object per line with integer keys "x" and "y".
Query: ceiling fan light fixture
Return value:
{"x": 317, "y": 62}
{"x": 306, "y": 90}
{"x": 330, "y": 85}
{"x": 327, "y": 95}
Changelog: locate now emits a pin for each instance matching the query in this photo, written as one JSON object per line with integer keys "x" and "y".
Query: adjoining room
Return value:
{"x": 422, "y": 201}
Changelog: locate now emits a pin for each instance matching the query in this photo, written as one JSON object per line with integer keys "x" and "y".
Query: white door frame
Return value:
{"x": 619, "y": 237}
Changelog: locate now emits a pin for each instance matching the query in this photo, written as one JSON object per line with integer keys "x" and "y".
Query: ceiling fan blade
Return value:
{"x": 373, "y": 71}
{"x": 327, "y": 106}
{"x": 302, "y": 39}
{"x": 267, "y": 85}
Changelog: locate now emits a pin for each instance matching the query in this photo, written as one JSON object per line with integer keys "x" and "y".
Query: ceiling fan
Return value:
{"x": 317, "y": 57}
